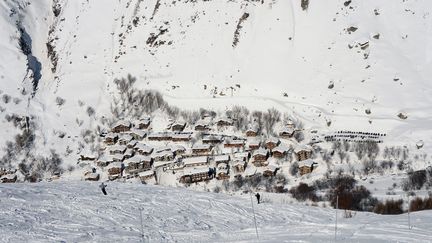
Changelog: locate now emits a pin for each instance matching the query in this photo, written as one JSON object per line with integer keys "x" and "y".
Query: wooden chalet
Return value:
{"x": 201, "y": 149}
{"x": 118, "y": 157}
{"x": 243, "y": 156}
{"x": 222, "y": 172}
{"x": 221, "y": 122}
{"x": 143, "y": 149}
{"x": 251, "y": 132}
{"x": 196, "y": 161}
{"x": 238, "y": 143}
{"x": 129, "y": 153}
{"x": 223, "y": 158}
{"x": 181, "y": 137}
{"x": 250, "y": 172}
{"x": 260, "y": 157}
{"x": 121, "y": 126}
{"x": 8, "y": 178}
{"x": 87, "y": 157}
{"x": 306, "y": 166}
{"x": 202, "y": 127}
{"x": 91, "y": 176}
{"x": 194, "y": 174}
{"x": 164, "y": 155}
{"x": 280, "y": 151}
{"x": 271, "y": 143}
{"x": 138, "y": 163}
{"x": 238, "y": 166}
{"x": 270, "y": 170}
{"x": 110, "y": 138}
{"x": 104, "y": 160}
{"x": 212, "y": 139}
{"x": 303, "y": 152}
{"x": 138, "y": 134}
{"x": 178, "y": 149}
{"x": 254, "y": 145}
{"x": 160, "y": 136}
{"x": 117, "y": 149}
{"x": 124, "y": 139}
{"x": 115, "y": 168}
{"x": 178, "y": 126}
{"x": 143, "y": 123}
{"x": 132, "y": 144}
{"x": 287, "y": 132}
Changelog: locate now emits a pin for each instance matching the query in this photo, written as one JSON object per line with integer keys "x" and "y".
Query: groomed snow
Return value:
{"x": 79, "y": 212}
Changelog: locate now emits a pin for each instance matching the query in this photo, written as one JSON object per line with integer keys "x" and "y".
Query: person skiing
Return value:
{"x": 102, "y": 187}
{"x": 258, "y": 196}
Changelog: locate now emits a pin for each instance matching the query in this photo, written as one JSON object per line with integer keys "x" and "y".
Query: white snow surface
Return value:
{"x": 79, "y": 212}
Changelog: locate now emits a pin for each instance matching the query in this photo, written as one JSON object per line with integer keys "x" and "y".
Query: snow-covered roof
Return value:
{"x": 237, "y": 141}
{"x": 250, "y": 170}
{"x": 138, "y": 132}
{"x": 302, "y": 147}
{"x": 241, "y": 155}
{"x": 160, "y": 135}
{"x": 287, "y": 130}
{"x": 177, "y": 147}
{"x": 117, "y": 147}
{"x": 144, "y": 120}
{"x": 161, "y": 154}
{"x": 254, "y": 142}
{"x": 281, "y": 148}
{"x": 222, "y": 157}
{"x": 114, "y": 165}
{"x": 195, "y": 170}
{"x": 252, "y": 128}
{"x": 125, "y": 137}
{"x": 158, "y": 164}
{"x": 91, "y": 175}
{"x": 260, "y": 151}
{"x": 106, "y": 158}
{"x": 122, "y": 123}
{"x": 111, "y": 135}
{"x": 181, "y": 136}
{"x": 137, "y": 159}
{"x": 143, "y": 147}
{"x": 212, "y": 137}
{"x": 195, "y": 160}
{"x": 132, "y": 143}
{"x": 306, "y": 163}
{"x": 201, "y": 146}
{"x": 272, "y": 140}
{"x": 8, "y": 177}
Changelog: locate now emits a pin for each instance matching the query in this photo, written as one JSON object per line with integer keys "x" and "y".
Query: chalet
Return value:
{"x": 224, "y": 158}
{"x": 251, "y": 132}
{"x": 243, "y": 156}
{"x": 138, "y": 163}
{"x": 306, "y": 166}
{"x": 132, "y": 144}
{"x": 121, "y": 126}
{"x": 260, "y": 157}
{"x": 280, "y": 151}
{"x": 111, "y": 138}
{"x": 201, "y": 149}
{"x": 124, "y": 139}
{"x": 146, "y": 176}
{"x": 290, "y": 124}
{"x": 178, "y": 126}
{"x": 270, "y": 170}
{"x": 221, "y": 122}
{"x": 177, "y": 149}
{"x": 115, "y": 168}
{"x": 163, "y": 164}
{"x": 129, "y": 153}
{"x": 238, "y": 166}
{"x": 222, "y": 172}
{"x": 91, "y": 177}
{"x": 117, "y": 149}
{"x": 138, "y": 134}
{"x": 212, "y": 139}
{"x": 104, "y": 160}
{"x": 238, "y": 143}
{"x": 164, "y": 155}
{"x": 303, "y": 152}
{"x": 160, "y": 136}
{"x": 143, "y": 149}
{"x": 287, "y": 132}
{"x": 271, "y": 143}
{"x": 194, "y": 174}
{"x": 8, "y": 178}
{"x": 202, "y": 126}
{"x": 250, "y": 171}
{"x": 196, "y": 161}
{"x": 143, "y": 123}
{"x": 181, "y": 137}
{"x": 118, "y": 157}
{"x": 254, "y": 145}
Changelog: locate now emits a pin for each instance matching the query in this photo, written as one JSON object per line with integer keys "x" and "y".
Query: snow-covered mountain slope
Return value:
{"x": 79, "y": 212}
{"x": 330, "y": 62}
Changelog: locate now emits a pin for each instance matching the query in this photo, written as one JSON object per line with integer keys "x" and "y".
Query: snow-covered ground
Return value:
{"x": 79, "y": 212}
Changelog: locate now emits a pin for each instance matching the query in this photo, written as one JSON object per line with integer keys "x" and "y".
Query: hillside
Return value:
{"x": 327, "y": 64}
{"x": 79, "y": 212}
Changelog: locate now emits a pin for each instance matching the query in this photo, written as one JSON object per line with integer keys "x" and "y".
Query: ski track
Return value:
{"x": 79, "y": 212}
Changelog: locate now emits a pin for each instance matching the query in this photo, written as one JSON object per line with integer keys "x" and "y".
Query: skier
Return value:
{"x": 102, "y": 187}
{"x": 258, "y": 196}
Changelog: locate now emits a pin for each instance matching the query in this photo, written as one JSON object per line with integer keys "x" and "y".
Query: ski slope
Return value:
{"x": 79, "y": 212}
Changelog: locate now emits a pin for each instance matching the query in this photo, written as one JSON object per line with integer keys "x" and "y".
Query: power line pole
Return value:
{"x": 253, "y": 211}
{"x": 337, "y": 207}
